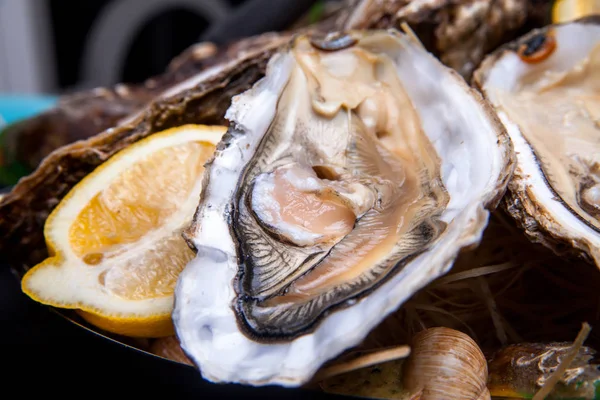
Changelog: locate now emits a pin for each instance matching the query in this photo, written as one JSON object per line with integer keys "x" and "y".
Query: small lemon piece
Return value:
{"x": 115, "y": 240}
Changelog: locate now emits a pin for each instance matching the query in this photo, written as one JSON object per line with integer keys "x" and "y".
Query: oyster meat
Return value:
{"x": 351, "y": 176}
{"x": 546, "y": 88}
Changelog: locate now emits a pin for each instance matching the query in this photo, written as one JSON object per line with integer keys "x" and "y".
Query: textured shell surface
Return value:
{"x": 199, "y": 98}
{"x": 351, "y": 176}
{"x": 459, "y": 32}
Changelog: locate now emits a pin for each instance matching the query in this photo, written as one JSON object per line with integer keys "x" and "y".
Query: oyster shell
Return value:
{"x": 545, "y": 87}
{"x": 350, "y": 177}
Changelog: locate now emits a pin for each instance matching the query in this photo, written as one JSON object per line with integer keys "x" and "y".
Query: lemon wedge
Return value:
{"x": 115, "y": 241}
{"x": 569, "y": 10}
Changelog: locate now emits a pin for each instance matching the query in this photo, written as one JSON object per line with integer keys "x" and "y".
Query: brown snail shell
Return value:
{"x": 447, "y": 365}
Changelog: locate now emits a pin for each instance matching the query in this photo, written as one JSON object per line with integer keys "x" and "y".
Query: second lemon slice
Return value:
{"x": 115, "y": 240}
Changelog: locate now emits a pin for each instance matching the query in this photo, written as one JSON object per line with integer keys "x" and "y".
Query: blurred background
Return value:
{"x": 59, "y": 46}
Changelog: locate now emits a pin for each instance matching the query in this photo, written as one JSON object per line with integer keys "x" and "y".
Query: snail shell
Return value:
{"x": 447, "y": 365}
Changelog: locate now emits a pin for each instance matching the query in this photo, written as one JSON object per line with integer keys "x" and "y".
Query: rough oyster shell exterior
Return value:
{"x": 460, "y": 33}
{"x": 202, "y": 98}
{"x": 81, "y": 115}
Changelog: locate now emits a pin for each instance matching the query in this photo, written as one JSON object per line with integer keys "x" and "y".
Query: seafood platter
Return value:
{"x": 396, "y": 200}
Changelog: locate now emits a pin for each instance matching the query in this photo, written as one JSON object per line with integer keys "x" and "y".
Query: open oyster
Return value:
{"x": 546, "y": 88}
{"x": 350, "y": 177}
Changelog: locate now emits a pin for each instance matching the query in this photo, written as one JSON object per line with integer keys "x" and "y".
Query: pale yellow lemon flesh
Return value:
{"x": 115, "y": 241}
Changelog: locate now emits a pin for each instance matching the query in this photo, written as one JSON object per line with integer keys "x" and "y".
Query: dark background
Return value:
{"x": 161, "y": 39}
{"x": 44, "y": 354}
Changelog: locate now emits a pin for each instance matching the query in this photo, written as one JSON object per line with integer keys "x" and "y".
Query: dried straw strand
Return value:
{"x": 476, "y": 272}
{"x": 407, "y": 29}
{"x": 367, "y": 360}
{"x": 486, "y": 294}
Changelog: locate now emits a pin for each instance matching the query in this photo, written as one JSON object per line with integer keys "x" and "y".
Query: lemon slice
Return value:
{"x": 569, "y": 10}
{"x": 115, "y": 240}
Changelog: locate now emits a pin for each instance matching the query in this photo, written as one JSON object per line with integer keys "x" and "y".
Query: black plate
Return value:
{"x": 46, "y": 349}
